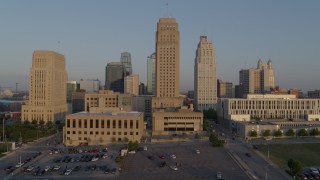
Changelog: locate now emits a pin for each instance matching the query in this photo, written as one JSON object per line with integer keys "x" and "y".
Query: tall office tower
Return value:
{"x": 125, "y": 59}
{"x": 47, "y": 88}
{"x": 257, "y": 80}
{"x": 151, "y": 74}
{"x": 224, "y": 89}
{"x": 167, "y": 58}
{"x": 131, "y": 84}
{"x": 115, "y": 73}
{"x": 205, "y": 78}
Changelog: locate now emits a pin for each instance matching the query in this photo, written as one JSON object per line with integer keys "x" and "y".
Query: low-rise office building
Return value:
{"x": 176, "y": 121}
{"x": 101, "y": 128}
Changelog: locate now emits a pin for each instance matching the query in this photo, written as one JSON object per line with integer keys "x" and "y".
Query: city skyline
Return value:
{"x": 90, "y": 35}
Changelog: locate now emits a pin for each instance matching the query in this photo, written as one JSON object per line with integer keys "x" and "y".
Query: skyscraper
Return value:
{"x": 205, "y": 80}
{"x": 257, "y": 80}
{"x": 47, "y": 88}
{"x": 167, "y": 58}
{"x": 115, "y": 73}
{"x": 125, "y": 59}
{"x": 151, "y": 74}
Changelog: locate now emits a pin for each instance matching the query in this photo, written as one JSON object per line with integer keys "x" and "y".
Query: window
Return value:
{"x": 85, "y": 132}
{"x": 131, "y": 133}
{"x": 68, "y": 132}
{"x": 137, "y": 133}
{"x": 119, "y": 124}
{"x": 137, "y": 124}
{"x": 73, "y": 123}
{"x": 102, "y": 123}
{"x": 125, "y": 133}
{"x": 79, "y": 132}
{"x": 131, "y": 124}
{"x": 79, "y": 123}
{"x": 114, "y": 124}
{"x": 91, "y": 123}
{"x": 97, "y": 123}
{"x": 68, "y": 123}
{"x": 91, "y": 132}
{"x": 102, "y": 132}
{"x": 114, "y": 133}
{"x": 125, "y": 124}
{"x": 119, "y": 133}
{"x": 97, "y": 132}
{"x": 85, "y": 123}
{"x": 108, "y": 133}
{"x": 108, "y": 123}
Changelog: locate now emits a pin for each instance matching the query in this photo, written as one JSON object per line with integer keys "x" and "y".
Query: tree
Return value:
{"x": 196, "y": 136}
{"x": 210, "y": 114}
{"x": 278, "y": 133}
{"x": 302, "y": 132}
{"x": 314, "y": 132}
{"x": 266, "y": 133}
{"x": 205, "y": 124}
{"x": 26, "y": 122}
{"x": 295, "y": 166}
{"x": 253, "y": 133}
{"x": 290, "y": 132}
{"x": 41, "y": 122}
{"x": 215, "y": 141}
{"x": 49, "y": 124}
{"x": 133, "y": 146}
{"x": 34, "y": 122}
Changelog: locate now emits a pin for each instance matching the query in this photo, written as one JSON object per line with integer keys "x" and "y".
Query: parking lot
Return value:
{"x": 61, "y": 163}
{"x": 157, "y": 163}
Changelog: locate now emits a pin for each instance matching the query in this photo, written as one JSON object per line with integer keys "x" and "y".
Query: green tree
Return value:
{"x": 196, "y": 136}
{"x": 314, "y": 132}
{"x": 34, "y": 122}
{"x": 253, "y": 133}
{"x": 215, "y": 141}
{"x": 210, "y": 114}
{"x": 205, "y": 124}
{"x": 26, "y": 122}
{"x": 266, "y": 133}
{"x": 290, "y": 132}
{"x": 302, "y": 132}
{"x": 133, "y": 146}
{"x": 278, "y": 133}
{"x": 295, "y": 166}
{"x": 41, "y": 123}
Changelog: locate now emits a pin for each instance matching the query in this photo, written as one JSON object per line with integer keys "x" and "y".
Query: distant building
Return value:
{"x": 47, "y": 86}
{"x": 224, "y": 89}
{"x": 257, "y": 80}
{"x": 108, "y": 99}
{"x": 78, "y": 101}
{"x": 90, "y": 85}
{"x": 71, "y": 87}
{"x": 142, "y": 103}
{"x": 115, "y": 73}
{"x": 205, "y": 76}
{"x": 280, "y": 91}
{"x": 268, "y": 106}
{"x": 314, "y": 94}
{"x": 125, "y": 59}
{"x": 151, "y": 74}
{"x": 131, "y": 84}
{"x": 142, "y": 89}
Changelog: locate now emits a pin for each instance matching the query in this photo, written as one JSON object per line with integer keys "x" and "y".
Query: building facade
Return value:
{"x": 167, "y": 122}
{"x": 269, "y": 107}
{"x": 224, "y": 89}
{"x": 257, "y": 80}
{"x": 47, "y": 88}
{"x": 85, "y": 128}
{"x": 90, "y": 85}
{"x": 115, "y": 73}
{"x": 71, "y": 87}
{"x": 151, "y": 74}
{"x": 78, "y": 101}
{"x": 167, "y": 58}
{"x": 131, "y": 84}
{"x": 205, "y": 76}
{"x": 125, "y": 59}
{"x": 314, "y": 94}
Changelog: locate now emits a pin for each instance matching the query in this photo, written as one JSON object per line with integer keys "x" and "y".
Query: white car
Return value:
{"x": 56, "y": 167}
{"x": 68, "y": 172}
{"x": 19, "y": 164}
{"x": 197, "y": 151}
{"x": 30, "y": 168}
{"x": 46, "y": 168}
{"x": 314, "y": 170}
{"x": 95, "y": 159}
{"x": 173, "y": 156}
{"x": 174, "y": 168}
{"x": 105, "y": 156}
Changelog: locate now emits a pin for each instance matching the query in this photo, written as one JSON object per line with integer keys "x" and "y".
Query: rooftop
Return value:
{"x": 120, "y": 113}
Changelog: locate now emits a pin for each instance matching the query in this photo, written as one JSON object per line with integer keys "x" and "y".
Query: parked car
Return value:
{"x": 174, "y": 168}
{"x": 173, "y": 156}
{"x": 248, "y": 154}
{"x": 197, "y": 151}
{"x": 162, "y": 164}
{"x": 161, "y": 157}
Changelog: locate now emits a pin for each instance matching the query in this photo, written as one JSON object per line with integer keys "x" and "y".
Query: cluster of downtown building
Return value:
{"x": 123, "y": 109}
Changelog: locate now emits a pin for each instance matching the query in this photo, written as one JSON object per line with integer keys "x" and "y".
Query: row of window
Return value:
{"x": 102, "y": 123}
{"x": 101, "y": 133}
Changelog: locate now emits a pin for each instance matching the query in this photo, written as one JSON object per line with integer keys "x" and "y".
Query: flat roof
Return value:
{"x": 120, "y": 113}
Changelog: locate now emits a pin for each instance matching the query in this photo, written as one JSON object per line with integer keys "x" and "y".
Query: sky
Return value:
{"x": 92, "y": 33}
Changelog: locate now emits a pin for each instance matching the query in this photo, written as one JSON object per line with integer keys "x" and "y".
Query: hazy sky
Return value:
{"x": 93, "y": 33}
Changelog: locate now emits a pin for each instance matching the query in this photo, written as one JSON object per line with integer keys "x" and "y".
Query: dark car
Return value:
{"x": 161, "y": 157}
{"x": 113, "y": 170}
{"x": 107, "y": 171}
{"x": 248, "y": 154}
{"x": 151, "y": 157}
{"x": 163, "y": 164}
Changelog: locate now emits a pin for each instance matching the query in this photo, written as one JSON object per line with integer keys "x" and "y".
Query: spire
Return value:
{"x": 260, "y": 64}
{"x": 270, "y": 64}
